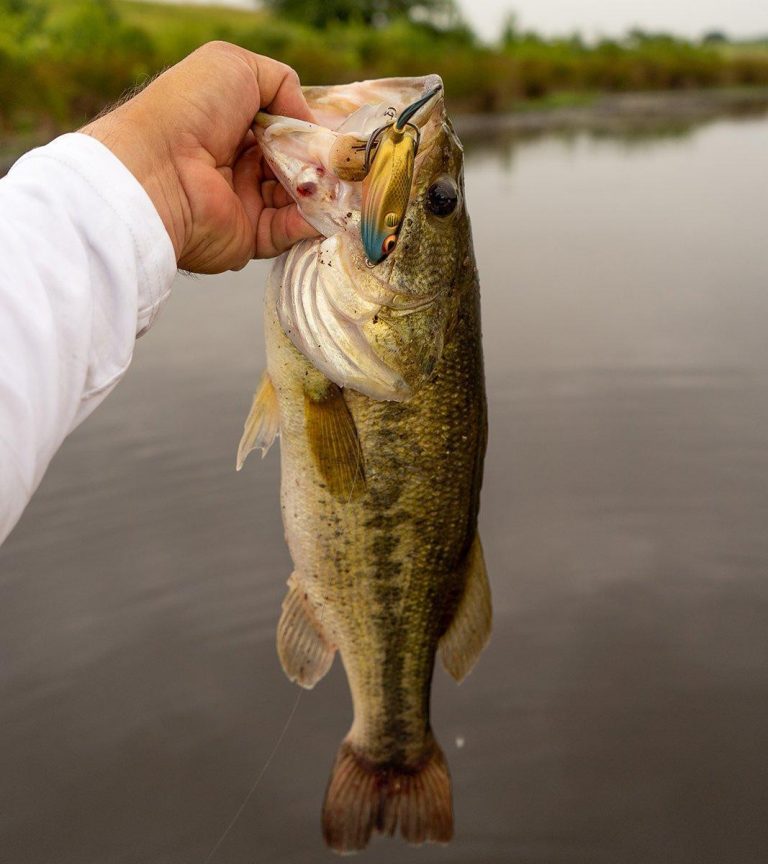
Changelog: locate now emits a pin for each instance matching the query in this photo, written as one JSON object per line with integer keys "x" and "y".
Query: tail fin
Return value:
{"x": 363, "y": 797}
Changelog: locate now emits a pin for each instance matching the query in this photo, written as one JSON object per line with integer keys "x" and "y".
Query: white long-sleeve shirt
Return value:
{"x": 85, "y": 264}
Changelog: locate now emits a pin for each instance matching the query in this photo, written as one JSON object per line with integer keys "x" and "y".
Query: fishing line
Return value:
{"x": 263, "y": 771}
{"x": 255, "y": 782}
{"x": 279, "y": 741}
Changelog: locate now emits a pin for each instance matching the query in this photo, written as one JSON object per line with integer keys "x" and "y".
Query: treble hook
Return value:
{"x": 399, "y": 125}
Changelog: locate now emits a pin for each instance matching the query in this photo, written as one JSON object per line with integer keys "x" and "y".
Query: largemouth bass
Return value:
{"x": 374, "y": 382}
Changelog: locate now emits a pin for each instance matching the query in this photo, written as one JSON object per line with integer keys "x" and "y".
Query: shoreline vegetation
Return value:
{"x": 62, "y": 61}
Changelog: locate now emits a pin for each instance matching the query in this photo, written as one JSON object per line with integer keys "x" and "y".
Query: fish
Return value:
{"x": 375, "y": 386}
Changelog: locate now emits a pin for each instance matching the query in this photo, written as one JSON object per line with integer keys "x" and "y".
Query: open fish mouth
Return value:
{"x": 330, "y": 288}
{"x": 323, "y": 164}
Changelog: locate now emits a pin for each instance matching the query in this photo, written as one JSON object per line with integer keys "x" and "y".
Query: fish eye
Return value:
{"x": 389, "y": 244}
{"x": 442, "y": 196}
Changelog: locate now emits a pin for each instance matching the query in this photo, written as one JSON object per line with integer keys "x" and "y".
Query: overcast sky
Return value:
{"x": 610, "y": 17}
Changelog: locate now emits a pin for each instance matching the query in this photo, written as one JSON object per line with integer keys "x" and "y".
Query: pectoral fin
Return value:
{"x": 304, "y": 650}
{"x": 469, "y": 632}
{"x": 334, "y": 442}
{"x": 263, "y": 422}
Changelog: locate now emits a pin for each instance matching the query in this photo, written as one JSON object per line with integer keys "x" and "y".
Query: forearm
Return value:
{"x": 86, "y": 264}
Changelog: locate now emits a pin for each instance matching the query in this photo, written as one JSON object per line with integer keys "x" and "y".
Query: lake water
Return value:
{"x": 620, "y": 714}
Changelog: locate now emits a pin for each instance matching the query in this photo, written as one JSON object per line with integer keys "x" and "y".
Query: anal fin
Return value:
{"x": 334, "y": 442}
{"x": 262, "y": 424}
{"x": 305, "y": 652}
{"x": 469, "y": 631}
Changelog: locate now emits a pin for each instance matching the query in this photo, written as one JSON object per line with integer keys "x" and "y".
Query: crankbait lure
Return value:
{"x": 389, "y": 158}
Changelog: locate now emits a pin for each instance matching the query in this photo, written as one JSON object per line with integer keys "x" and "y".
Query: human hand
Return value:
{"x": 186, "y": 137}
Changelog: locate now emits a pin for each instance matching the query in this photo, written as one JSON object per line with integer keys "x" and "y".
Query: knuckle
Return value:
{"x": 216, "y": 47}
{"x": 287, "y": 73}
{"x": 291, "y": 75}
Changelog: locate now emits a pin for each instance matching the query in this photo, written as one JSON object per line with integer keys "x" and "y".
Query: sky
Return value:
{"x": 611, "y": 17}
{"x": 737, "y": 18}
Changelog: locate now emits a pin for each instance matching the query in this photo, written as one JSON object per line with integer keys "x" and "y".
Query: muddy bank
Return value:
{"x": 625, "y": 112}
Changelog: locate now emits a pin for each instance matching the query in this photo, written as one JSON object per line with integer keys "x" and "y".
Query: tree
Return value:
{"x": 510, "y": 31}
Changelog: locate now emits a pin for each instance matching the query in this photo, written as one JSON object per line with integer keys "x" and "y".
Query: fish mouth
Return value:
{"x": 323, "y": 164}
{"x": 330, "y": 292}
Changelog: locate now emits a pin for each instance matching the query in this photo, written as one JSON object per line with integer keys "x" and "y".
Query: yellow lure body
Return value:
{"x": 386, "y": 190}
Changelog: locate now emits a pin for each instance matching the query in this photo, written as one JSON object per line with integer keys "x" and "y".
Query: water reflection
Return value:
{"x": 620, "y": 712}
{"x": 634, "y": 120}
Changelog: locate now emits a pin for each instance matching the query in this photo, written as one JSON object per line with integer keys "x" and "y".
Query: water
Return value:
{"x": 620, "y": 714}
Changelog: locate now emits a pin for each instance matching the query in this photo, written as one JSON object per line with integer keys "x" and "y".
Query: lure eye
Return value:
{"x": 389, "y": 244}
{"x": 442, "y": 196}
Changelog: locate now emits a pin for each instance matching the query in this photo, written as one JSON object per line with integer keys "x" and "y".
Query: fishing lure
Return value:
{"x": 389, "y": 157}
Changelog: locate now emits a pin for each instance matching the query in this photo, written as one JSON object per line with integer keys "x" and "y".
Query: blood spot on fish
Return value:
{"x": 306, "y": 189}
